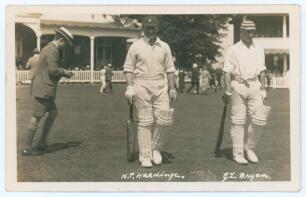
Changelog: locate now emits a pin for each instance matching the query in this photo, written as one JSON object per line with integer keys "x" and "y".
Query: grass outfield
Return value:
{"x": 89, "y": 140}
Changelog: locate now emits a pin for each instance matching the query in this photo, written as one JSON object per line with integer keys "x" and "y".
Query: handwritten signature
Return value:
{"x": 242, "y": 176}
{"x": 151, "y": 175}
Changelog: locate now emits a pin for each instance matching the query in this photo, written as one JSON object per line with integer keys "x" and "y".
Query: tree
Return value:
{"x": 192, "y": 38}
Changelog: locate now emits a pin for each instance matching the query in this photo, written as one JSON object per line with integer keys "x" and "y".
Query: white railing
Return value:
{"x": 88, "y": 76}
{"x": 23, "y": 77}
{"x": 279, "y": 82}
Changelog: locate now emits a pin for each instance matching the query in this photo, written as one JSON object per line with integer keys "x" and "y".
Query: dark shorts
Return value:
{"x": 43, "y": 105}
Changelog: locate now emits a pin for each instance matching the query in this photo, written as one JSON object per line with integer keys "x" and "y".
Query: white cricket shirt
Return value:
{"x": 243, "y": 61}
{"x": 147, "y": 61}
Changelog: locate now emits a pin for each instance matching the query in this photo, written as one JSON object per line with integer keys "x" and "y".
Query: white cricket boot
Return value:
{"x": 157, "y": 158}
{"x": 240, "y": 159}
{"x": 146, "y": 162}
{"x": 251, "y": 156}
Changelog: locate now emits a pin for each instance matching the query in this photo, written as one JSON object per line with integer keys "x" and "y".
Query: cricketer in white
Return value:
{"x": 146, "y": 63}
{"x": 244, "y": 62}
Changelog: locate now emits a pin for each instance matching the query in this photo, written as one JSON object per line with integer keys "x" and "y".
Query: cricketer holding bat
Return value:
{"x": 147, "y": 61}
{"x": 45, "y": 80}
{"x": 244, "y": 64}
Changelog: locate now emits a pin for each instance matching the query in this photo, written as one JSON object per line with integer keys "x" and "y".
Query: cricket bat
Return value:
{"x": 131, "y": 135}
{"x": 220, "y": 132}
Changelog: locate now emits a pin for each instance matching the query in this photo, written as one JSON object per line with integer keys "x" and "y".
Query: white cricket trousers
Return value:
{"x": 245, "y": 99}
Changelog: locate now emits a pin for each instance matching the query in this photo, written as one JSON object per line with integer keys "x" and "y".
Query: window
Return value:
{"x": 277, "y": 63}
{"x": 100, "y": 52}
{"x": 103, "y": 52}
{"x": 268, "y": 26}
{"x": 108, "y": 52}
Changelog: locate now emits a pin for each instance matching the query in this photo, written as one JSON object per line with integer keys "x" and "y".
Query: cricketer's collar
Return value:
{"x": 252, "y": 44}
{"x": 157, "y": 41}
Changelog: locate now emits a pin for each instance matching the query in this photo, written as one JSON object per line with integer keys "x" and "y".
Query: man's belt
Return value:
{"x": 246, "y": 81}
{"x": 156, "y": 77}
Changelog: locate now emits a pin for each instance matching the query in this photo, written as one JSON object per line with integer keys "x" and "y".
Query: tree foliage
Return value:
{"x": 192, "y": 38}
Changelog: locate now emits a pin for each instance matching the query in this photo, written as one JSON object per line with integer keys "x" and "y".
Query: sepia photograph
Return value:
{"x": 153, "y": 98}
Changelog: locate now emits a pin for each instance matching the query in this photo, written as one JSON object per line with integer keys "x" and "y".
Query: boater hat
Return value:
{"x": 248, "y": 25}
{"x": 66, "y": 34}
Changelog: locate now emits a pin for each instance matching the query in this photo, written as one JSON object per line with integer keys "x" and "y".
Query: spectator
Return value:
{"x": 19, "y": 63}
{"x": 181, "y": 77}
{"x": 32, "y": 63}
{"x": 194, "y": 78}
{"x": 108, "y": 78}
{"x": 213, "y": 80}
{"x": 269, "y": 76}
{"x": 45, "y": 81}
{"x": 205, "y": 76}
{"x": 102, "y": 78}
{"x": 176, "y": 79}
{"x": 219, "y": 73}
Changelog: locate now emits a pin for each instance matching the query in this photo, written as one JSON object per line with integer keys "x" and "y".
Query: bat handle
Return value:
{"x": 131, "y": 111}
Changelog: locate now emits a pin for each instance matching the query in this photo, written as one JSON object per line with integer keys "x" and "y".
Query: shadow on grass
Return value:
{"x": 167, "y": 157}
{"x": 225, "y": 153}
{"x": 61, "y": 146}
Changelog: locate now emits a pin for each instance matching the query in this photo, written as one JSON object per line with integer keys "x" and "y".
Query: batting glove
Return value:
{"x": 172, "y": 95}
{"x": 227, "y": 97}
{"x": 130, "y": 93}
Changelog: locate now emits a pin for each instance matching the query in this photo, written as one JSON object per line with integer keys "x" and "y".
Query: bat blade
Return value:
{"x": 220, "y": 133}
{"x": 131, "y": 136}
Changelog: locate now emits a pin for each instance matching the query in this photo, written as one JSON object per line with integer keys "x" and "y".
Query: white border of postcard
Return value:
{"x": 294, "y": 12}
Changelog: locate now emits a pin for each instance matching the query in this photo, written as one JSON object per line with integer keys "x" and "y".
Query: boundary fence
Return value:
{"x": 23, "y": 77}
